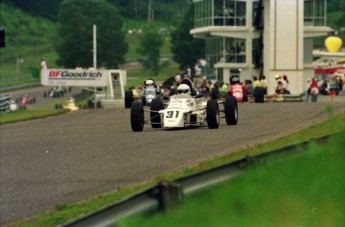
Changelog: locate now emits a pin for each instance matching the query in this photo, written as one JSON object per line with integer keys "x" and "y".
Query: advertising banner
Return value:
{"x": 75, "y": 77}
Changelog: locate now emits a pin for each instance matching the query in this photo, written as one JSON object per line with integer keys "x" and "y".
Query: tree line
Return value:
{"x": 162, "y": 10}
{"x": 75, "y": 19}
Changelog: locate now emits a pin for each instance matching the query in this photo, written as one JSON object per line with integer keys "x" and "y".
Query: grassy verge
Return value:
{"x": 65, "y": 212}
{"x": 24, "y": 115}
{"x": 307, "y": 191}
{"x": 40, "y": 111}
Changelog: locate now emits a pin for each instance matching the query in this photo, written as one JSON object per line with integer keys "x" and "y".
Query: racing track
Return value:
{"x": 71, "y": 157}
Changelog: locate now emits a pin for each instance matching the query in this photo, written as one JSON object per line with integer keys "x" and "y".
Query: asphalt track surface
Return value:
{"x": 75, "y": 156}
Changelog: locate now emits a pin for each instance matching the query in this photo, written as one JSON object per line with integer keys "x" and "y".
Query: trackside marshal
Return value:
{"x": 74, "y": 77}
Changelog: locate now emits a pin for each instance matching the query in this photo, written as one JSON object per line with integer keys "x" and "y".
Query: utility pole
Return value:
{"x": 94, "y": 47}
{"x": 95, "y": 57}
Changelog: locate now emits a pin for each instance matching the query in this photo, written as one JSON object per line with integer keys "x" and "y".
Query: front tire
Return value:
{"x": 231, "y": 110}
{"x": 137, "y": 117}
{"x": 155, "y": 118}
{"x": 212, "y": 113}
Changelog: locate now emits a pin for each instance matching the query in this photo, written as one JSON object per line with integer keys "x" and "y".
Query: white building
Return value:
{"x": 260, "y": 37}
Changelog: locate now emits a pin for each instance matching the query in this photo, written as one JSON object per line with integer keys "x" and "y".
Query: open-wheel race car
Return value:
{"x": 149, "y": 92}
{"x": 184, "y": 109}
{"x": 26, "y": 99}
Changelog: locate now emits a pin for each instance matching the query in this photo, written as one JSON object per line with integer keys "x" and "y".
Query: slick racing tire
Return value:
{"x": 214, "y": 93}
{"x": 137, "y": 117}
{"x": 128, "y": 99}
{"x": 212, "y": 114}
{"x": 155, "y": 117}
{"x": 231, "y": 110}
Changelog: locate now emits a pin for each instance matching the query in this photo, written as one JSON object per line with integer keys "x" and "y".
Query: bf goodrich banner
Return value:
{"x": 74, "y": 77}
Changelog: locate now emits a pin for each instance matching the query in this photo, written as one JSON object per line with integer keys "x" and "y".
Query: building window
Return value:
{"x": 314, "y": 13}
{"x": 224, "y": 50}
{"x": 203, "y": 13}
{"x": 220, "y": 13}
{"x": 235, "y": 50}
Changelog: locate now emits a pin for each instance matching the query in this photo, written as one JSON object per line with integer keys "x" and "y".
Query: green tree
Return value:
{"x": 75, "y": 27}
{"x": 186, "y": 49}
{"x": 149, "y": 48}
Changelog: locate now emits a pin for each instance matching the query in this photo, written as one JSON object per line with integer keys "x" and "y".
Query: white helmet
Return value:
{"x": 183, "y": 89}
{"x": 149, "y": 83}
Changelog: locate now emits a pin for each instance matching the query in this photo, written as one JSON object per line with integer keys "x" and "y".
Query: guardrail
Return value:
{"x": 166, "y": 195}
{"x": 5, "y": 103}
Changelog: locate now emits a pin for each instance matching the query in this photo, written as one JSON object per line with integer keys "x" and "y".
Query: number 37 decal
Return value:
{"x": 170, "y": 114}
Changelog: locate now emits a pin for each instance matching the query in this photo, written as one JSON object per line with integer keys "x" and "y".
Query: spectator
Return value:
{"x": 307, "y": 89}
{"x": 256, "y": 82}
{"x": 43, "y": 65}
{"x": 204, "y": 89}
{"x": 249, "y": 87}
{"x": 278, "y": 79}
{"x": 223, "y": 88}
{"x": 314, "y": 90}
{"x": 210, "y": 85}
{"x": 263, "y": 83}
{"x": 187, "y": 72}
{"x": 324, "y": 87}
{"x": 280, "y": 88}
{"x": 178, "y": 79}
{"x": 341, "y": 86}
{"x": 197, "y": 78}
{"x": 285, "y": 85}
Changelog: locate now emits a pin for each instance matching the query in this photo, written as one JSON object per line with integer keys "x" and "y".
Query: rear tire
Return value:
{"x": 128, "y": 99}
{"x": 212, "y": 113}
{"x": 155, "y": 117}
{"x": 214, "y": 93}
{"x": 137, "y": 117}
{"x": 231, "y": 110}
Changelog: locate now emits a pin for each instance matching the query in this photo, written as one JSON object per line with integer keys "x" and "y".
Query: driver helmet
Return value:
{"x": 149, "y": 83}
{"x": 235, "y": 80}
{"x": 183, "y": 89}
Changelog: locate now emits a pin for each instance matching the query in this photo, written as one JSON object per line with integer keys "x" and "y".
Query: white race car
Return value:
{"x": 184, "y": 109}
{"x": 148, "y": 93}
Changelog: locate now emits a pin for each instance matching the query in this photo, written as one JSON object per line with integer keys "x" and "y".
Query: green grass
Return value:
{"x": 24, "y": 115}
{"x": 307, "y": 191}
{"x": 65, "y": 212}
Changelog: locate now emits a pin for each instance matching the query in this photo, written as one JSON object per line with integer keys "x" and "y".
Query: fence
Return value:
{"x": 5, "y": 103}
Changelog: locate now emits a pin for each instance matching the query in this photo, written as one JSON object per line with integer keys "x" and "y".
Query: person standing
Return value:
{"x": 307, "y": 89}
{"x": 285, "y": 85}
{"x": 314, "y": 90}
{"x": 256, "y": 82}
{"x": 43, "y": 65}
{"x": 263, "y": 83}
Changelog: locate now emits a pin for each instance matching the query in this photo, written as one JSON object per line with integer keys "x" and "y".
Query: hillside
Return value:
{"x": 30, "y": 28}
{"x": 28, "y": 39}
